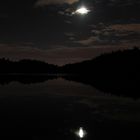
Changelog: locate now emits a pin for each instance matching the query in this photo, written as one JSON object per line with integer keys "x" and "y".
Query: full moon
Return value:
{"x": 82, "y": 11}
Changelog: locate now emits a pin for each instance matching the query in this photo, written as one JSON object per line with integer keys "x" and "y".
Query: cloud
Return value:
{"x": 126, "y": 27}
{"x": 113, "y": 34}
{"x": 53, "y": 2}
{"x": 118, "y": 2}
{"x": 99, "y": 40}
{"x": 88, "y": 41}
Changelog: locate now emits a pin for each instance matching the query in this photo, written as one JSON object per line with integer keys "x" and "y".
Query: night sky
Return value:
{"x": 48, "y": 30}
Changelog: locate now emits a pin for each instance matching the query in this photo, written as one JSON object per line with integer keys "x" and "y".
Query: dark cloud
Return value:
{"x": 54, "y": 2}
{"x": 114, "y": 34}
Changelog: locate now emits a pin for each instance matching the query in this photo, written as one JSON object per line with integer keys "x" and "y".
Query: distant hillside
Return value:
{"x": 122, "y": 62}
{"x": 26, "y": 67}
{"x": 118, "y": 72}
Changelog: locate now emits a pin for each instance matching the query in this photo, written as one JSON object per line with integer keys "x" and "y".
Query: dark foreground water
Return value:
{"x": 57, "y": 108}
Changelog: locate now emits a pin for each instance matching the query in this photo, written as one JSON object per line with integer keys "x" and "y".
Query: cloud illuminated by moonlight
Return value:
{"x": 51, "y": 2}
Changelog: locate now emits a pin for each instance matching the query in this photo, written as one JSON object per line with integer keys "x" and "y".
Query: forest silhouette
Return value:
{"x": 117, "y": 73}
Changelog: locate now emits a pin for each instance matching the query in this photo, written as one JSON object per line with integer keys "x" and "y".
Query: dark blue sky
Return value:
{"x": 47, "y": 30}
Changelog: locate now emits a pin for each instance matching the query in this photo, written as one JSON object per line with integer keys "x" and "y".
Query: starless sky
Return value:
{"x": 47, "y": 30}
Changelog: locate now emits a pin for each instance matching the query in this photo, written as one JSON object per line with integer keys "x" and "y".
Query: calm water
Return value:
{"x": 56, "y": 109}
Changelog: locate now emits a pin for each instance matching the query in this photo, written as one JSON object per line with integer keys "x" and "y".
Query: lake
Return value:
{"x": 58, "y": 108}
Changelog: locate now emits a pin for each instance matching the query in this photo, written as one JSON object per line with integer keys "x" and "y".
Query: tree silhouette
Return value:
{"x": 26, "y": 66}
{"x": 117, "y": 72}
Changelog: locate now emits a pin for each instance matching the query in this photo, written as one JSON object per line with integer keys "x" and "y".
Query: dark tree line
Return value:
{"x": 124, "y": 63}
{"x": 117, "y": 72}
{"x": 26, "y": 66}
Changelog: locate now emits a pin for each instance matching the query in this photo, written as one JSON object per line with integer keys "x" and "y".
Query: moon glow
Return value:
{"x": 81, "y": 133}
{"x": 82, "y": 11}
